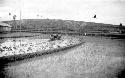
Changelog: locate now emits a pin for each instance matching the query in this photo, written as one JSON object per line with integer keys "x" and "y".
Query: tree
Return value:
{"x": 14, "y": 17}
{"x": 9, "y": 14}
{"x": 120, "y": 28}
{"x": 120, "y": 25}
{"x": 38, "y": 15}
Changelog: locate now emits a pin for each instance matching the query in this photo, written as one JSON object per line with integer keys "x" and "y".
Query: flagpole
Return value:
{"x": 20, "y": 23}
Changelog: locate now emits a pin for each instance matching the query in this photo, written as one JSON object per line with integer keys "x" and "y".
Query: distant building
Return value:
{"x": 5, "y": 27}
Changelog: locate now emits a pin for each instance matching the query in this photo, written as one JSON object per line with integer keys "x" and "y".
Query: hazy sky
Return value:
{"x": 107, "y": 11}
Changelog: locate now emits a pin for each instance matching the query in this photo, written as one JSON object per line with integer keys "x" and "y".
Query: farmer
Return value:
{"x": 55, "y": 37}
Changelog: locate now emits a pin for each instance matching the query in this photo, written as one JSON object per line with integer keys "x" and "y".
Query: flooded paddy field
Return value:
{"x": 24, "y": 45}
{"x": 98, "y": 57}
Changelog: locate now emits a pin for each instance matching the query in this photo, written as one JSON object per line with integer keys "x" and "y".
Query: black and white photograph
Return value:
{"x": 62, "y": 38}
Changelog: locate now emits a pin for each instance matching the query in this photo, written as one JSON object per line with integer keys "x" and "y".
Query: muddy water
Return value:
{"x": 98, "y": 57}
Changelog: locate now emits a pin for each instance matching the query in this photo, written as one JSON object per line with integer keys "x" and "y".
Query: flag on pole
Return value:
{"x": 9, "y": 13}
{"x": 94, "y": 16}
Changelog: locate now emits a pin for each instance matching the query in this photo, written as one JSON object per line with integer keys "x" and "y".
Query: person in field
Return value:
{"x": 55, "y": 37}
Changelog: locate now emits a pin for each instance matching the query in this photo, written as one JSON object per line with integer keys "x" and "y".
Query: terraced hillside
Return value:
{"x": 63, "y": 25}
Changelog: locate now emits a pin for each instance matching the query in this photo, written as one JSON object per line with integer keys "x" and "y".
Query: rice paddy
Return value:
{"x": 98, "y": 57}
{"x": 30, "y": 45}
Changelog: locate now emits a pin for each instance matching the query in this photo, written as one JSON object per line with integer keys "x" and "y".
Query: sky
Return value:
{"x": 107, "y": 11}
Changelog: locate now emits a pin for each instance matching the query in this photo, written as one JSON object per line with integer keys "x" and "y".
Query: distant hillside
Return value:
{"x": 57, "y": 25}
